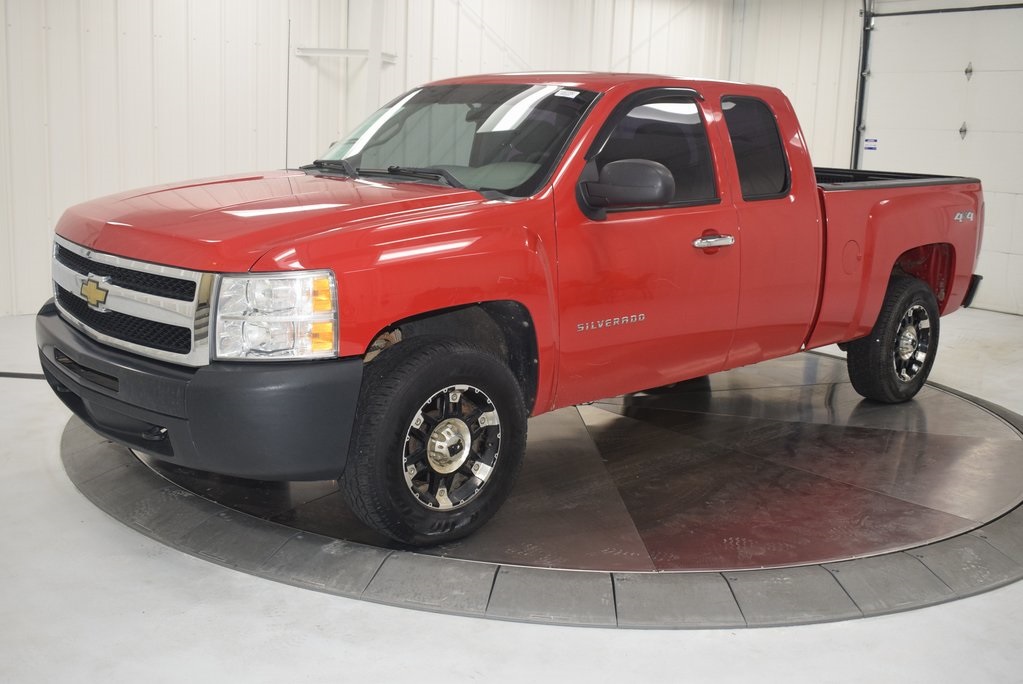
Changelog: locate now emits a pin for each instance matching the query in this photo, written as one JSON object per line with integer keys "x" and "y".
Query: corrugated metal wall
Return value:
{"x": 811, "y": 51}
{"x": 104, "y": 95}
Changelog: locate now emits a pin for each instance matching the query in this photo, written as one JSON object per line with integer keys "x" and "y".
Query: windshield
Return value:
{"x": 504, "y": 137}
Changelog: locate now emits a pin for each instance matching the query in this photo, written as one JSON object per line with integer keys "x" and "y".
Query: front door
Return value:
{"x": 649, "y": 294}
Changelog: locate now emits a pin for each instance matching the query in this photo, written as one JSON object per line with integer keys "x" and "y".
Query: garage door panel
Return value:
{"x": 920, "y": 101}
{"x": 994, "y": 158}
{"x": 995, "y": 100}
{"x": 996, "y": 291}
{"x": 1015, "y": 267}
{"x": 895, "y": 39}
{"x": 996, "y": 41}
{"x": 999, "y": 215}
{"x": 1002, "y": 290}
{"x": 1016, "y": 221}
{"x": 913, "y": 151}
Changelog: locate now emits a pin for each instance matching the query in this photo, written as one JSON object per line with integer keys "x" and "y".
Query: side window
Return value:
{"x": 671, "y": 132}
{"x": 763, "y": 169}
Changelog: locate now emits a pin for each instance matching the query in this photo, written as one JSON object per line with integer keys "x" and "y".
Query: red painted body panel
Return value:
{"x": 226, "y": 224}
{"x": 782, "y": 246}
{"x": 391, "y": 268}
{"x": 808, "y": 268}
{"x": 869, "y": 229}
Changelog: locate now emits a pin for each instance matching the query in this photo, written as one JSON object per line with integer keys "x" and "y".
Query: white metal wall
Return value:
{"x": 811, "y": 51}
{"x": 98, "y": 96}
{"x": 809, "y": 48}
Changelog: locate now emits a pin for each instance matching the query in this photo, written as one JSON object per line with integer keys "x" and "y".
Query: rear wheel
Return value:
{"x": 892, "y": 363}
{"x": 438, "y": 441}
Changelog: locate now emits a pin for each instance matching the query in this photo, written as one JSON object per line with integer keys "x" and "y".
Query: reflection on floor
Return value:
{"x": 771, "y": 465}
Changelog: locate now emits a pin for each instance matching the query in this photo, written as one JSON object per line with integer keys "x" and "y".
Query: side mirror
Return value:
{"x": 630, "y": 182}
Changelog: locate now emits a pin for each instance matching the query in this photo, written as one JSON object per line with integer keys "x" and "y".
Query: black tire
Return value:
{"x": 438, "y": 441}
{"x": 892, "y": 363}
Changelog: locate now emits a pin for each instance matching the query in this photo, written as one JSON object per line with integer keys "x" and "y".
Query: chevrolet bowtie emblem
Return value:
{"x": 92, "y": 290}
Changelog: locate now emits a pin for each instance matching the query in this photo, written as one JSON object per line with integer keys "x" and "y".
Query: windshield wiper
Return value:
{"x": 429, "y": 172}
{"x": 342, "y": 165}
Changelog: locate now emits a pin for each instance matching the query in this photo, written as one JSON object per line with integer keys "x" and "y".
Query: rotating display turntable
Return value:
{"x": 771, "y": 494}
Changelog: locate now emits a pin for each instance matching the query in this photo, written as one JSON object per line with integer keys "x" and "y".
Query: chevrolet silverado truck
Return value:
{"x": 481, "y": 250}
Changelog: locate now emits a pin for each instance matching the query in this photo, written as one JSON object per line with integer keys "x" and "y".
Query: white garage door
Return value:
{"x": 945, "y": 95}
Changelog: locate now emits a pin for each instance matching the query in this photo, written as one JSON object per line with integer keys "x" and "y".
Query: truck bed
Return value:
{"x": 886, "y": 218}
{"x": 857, "y": 179}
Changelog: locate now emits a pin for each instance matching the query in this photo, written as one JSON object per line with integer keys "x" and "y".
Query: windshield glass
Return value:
{"x": 504, "y": 137}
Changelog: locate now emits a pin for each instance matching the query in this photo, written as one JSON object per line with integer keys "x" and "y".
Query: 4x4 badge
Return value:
{"x": 94, "y": 293}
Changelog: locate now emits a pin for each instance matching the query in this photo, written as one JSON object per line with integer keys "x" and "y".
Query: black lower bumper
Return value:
{"x": 971, "y": 291}
{"x": 288, "y": 420}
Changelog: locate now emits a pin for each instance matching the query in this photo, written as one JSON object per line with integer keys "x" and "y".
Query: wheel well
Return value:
{"x": 933, "y": 264}
{"x": 504, "y": 328}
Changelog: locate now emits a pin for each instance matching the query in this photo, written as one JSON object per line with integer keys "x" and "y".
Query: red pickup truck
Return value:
{"x": 478, "y": 251}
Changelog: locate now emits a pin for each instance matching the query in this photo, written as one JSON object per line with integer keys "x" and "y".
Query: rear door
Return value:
{"x": 642, "y": 302}
{"x": 779, "y": 224}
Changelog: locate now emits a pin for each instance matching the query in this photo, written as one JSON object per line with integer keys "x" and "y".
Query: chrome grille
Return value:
{"x": 171, "y": 338}
{"x": 140, "y": 281}
{"x": 157, "y": 311}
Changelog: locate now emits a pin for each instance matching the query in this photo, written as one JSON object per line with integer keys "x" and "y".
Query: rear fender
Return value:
{"x": 933, "y": 264}
{"x": 929, "y": 232}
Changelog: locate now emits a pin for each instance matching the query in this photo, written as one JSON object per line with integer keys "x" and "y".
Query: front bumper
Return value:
{"x": 288, "y": 420}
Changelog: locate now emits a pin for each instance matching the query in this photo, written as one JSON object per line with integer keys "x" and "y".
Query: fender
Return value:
{"x": 874, "y": 230}
{"x": 393, "y": 270}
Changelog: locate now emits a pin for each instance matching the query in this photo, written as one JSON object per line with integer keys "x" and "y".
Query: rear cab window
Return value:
{"x": 756, "y": 143}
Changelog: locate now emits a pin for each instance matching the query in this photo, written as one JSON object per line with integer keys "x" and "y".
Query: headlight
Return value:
{"x": 277, "y": 316}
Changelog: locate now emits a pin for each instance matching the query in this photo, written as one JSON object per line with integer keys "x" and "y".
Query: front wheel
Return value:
{"x": 438, "y": 441}
{"x": 891, "y": 364}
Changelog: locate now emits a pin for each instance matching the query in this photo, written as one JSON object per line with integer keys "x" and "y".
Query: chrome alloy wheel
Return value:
{"x": 912, "y": 343}
{"x": 451, "y": 447}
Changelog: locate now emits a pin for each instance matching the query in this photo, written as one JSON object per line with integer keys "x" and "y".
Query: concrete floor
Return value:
{"x": 84, "y": 598}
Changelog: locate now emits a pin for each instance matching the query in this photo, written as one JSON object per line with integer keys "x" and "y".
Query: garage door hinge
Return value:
{"x": 969, "y": 71}
{"x": 962, "y": 131}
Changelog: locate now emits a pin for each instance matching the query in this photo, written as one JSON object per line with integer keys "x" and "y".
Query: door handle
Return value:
{"x": 713, "y": 241}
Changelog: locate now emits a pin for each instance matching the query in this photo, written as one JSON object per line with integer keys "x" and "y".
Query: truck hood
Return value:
{"x": 227, "y": 224}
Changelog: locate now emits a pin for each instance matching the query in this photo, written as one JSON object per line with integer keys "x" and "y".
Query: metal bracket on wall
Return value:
{"x": 375, "y": 57}
{"x": 385, "y": 57}
{"x": 962, "y": 131}
{"x": 969, "y": 71}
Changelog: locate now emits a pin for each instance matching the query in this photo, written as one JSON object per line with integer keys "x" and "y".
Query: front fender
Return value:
{"x": 438, "y": 260}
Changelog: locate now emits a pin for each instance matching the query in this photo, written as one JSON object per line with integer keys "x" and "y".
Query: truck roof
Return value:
{"x": 601, "y": 81}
